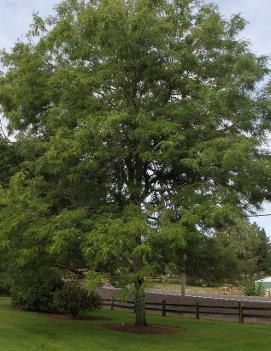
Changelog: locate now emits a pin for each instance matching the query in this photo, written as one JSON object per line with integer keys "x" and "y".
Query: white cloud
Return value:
{"x": 257, "y": 13}
{"x": 16, "y": 17}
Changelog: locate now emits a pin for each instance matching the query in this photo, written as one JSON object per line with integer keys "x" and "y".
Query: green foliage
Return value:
{"x": 249, "y": 244}
{"x": 32, "y": 288}
{"x": 9, "y": 160}
{"x": 202, "y": 258}
{"x": 5, "y": 283}
{"x": 93, "y": 280}
{"x": 73, "y": 298}
{"x": 251, "y": 288}
{"x": 138, "y": 123}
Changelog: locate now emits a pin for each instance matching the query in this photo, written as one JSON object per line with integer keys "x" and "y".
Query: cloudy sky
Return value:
{"x": 15, "y": 18}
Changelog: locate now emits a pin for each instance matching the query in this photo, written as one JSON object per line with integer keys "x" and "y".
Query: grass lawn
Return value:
{"x": 192, "y": 289}
{"x": 24, "y": 331}
{"x": 189, "y": 289}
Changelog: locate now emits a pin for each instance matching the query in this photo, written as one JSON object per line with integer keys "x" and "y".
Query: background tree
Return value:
{"x": 146, "y": 122}
{"x": 250, "y": 245}
{"x": 202, "y": 259}
{"x": 233, "y": 255}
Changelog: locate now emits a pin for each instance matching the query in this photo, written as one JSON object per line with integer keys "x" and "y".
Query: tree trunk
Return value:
{"x": 183, "y": 286}
{"x": 140, "y": 304}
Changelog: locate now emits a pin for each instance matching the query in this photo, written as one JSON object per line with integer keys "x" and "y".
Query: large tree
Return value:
{"x": 251, "y": 246}
{"x": 146, "y": 120}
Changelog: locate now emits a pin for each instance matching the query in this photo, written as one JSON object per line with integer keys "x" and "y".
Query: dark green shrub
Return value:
{"x": 253, "y": 289}
{"x": 4, "y": 284}
{"x": 73, "y": 299}
{"x": 32, "y": 289}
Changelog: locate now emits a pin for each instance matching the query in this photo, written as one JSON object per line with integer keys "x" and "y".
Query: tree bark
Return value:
{"x": 140, "y": 304}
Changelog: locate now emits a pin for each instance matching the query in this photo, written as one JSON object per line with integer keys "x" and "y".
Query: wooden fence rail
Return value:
{"x": 241, "y": 311}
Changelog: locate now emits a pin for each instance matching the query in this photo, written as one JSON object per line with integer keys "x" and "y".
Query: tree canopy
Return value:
{"x": 136, "y": 120}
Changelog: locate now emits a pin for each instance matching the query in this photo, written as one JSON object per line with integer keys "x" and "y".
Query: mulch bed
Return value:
{"x": 65, "y": 316}
{"x": 152, "y": 329}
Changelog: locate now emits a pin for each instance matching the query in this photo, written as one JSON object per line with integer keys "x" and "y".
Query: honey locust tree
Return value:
{"x": 150, "y": 119}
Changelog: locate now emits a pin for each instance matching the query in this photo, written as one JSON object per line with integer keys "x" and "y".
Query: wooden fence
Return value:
{"x": 241, "y": 311}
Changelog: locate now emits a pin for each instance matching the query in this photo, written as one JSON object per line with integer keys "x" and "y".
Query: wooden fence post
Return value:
{"x": 164, "y": 308}
{"x": 112, "y": 304}
{"x": 241, "y": 312}
{"x": 197, "y": 310}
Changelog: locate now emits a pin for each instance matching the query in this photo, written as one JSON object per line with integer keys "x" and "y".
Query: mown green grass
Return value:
{"x": 191, "y": 289}
{"x": 24, "y": 331}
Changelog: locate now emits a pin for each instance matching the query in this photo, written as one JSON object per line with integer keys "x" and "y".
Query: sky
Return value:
{"x": 16, "y": 16}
